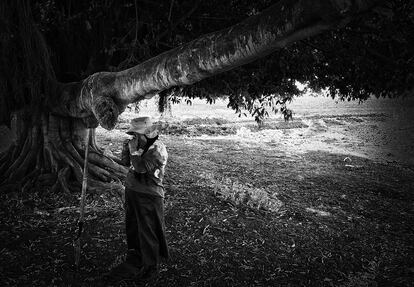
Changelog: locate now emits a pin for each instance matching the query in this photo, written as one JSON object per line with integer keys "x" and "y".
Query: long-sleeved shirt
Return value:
{"x": 146, "y": 172}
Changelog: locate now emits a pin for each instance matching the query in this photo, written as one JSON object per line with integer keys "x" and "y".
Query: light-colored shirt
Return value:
{"x": 147, "y": 171}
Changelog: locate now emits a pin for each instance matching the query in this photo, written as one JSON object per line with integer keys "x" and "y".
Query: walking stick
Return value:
{"x": 82, "y": 201}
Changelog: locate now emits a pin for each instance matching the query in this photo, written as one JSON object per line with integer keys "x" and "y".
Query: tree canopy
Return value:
{"x": 68, "y": 66}
{"x": 371, "y": 56}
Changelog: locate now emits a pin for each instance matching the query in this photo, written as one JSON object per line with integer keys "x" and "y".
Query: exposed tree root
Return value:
{"x": 30, "y": 180}
{"x": 18, "y": 161}
{"x": 94, "y": 170}
{"x": 52, "y": 154}
{"x": 29, "y": 159}
{"x": 102, "y": 160}
{"x": 47, "y": 179}
{"x": 63, "y": 177}
{"x": 6, "y": 160}
{"x": 3, "y": 156}
{"x": 93, "y": 143}
{"x": 9, "y": 187}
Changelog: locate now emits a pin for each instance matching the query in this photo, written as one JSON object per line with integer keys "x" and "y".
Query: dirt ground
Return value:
{"x": 324, "y": 200}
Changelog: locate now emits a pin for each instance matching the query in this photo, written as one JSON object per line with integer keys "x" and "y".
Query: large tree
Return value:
{"x": 50, "y": 117}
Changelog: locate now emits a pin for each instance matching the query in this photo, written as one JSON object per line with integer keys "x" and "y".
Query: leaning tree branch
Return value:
{"x": 106, "y": 94}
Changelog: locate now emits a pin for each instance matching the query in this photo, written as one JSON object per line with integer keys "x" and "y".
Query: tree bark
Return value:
{"x": 105, "y": 95}
{"x": 49, "y": 146}
{"x": 51, "y": 152}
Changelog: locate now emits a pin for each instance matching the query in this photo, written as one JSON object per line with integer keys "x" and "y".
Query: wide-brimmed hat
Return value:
{"x": 143, "y": 125}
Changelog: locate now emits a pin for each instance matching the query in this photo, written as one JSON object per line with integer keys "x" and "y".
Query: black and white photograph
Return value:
{"x": 165, "y": 143}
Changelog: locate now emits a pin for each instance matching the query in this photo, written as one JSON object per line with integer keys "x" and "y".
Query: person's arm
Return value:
{"x": 135, "y": 155}
{"x": 138, "y": 162}
{"x": 145, "y": 163}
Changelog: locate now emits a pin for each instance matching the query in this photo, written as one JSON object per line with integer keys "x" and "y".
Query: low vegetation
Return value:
{"x": 240, "y": 213}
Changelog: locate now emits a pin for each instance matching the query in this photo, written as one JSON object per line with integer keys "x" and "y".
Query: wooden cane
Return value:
{"x": 82, "y": 201}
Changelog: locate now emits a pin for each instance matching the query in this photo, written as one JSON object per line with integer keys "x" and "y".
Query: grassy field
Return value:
{"x": 324, "y": 200}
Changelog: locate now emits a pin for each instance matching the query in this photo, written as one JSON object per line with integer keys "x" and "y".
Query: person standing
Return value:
{"x": 144, "y": 202}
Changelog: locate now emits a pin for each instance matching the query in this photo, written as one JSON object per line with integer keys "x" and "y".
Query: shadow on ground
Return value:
{"x": 338, "y": 221}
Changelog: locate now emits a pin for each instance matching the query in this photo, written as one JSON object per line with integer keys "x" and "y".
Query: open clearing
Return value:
{"x": 324, "y": 200}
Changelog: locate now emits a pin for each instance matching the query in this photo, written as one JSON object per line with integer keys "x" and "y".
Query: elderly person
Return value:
{"x": 144, "y": 194}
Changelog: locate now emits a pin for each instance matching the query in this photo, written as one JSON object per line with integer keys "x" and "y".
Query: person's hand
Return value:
{"x": 133, "y": 145}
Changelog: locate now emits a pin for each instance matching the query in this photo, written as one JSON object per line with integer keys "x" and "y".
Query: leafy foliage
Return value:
{"x": 372, "y": 56}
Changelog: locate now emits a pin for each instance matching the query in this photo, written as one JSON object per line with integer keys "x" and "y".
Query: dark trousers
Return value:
{"x": 145, "y": 228}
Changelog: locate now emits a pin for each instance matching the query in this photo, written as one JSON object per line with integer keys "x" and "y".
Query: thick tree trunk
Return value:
{"x": 49, "y": 151}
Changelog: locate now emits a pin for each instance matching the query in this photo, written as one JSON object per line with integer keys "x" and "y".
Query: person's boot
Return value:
{"x": 133, "y": 258}
{"x": 130, "y": 269}
{"x": 150, "y": 272}
{"x": 123, "y": 271}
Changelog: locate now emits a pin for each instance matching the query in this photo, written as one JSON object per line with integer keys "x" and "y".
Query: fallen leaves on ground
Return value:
{"x": 217, "y": 241}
